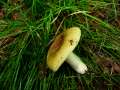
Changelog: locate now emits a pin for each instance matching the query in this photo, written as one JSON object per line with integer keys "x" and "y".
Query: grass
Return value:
{"x": 25, "y": 39}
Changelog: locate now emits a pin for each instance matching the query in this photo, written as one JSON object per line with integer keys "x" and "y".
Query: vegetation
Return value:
{"x": 27, "y": 29}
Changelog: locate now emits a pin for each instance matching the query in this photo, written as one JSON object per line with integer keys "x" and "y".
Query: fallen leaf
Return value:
{"x": 116, "y": 67}
{"x": 6, "y": 41}
{"x": 1, "y": 13}
{"x": 108, "y": 65}
{"x": 15, "y": 16}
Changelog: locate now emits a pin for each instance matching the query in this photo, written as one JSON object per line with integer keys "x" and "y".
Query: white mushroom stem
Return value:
{"x": 76, "y": 63}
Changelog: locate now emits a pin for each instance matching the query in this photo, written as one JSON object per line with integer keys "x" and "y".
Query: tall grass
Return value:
{"x": 38, "y": 23}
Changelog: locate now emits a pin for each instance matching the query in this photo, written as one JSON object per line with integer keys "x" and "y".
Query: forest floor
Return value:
{"x": 27, "y": 28}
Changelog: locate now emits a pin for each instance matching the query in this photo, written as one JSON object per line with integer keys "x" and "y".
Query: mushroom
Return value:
{"x": 62, "y": 50}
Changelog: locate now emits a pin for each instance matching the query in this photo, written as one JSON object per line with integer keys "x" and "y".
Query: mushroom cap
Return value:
{"x": 62, "y": 46}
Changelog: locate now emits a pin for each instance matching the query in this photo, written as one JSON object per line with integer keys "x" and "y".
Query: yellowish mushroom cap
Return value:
{"x": 62, "y": 46}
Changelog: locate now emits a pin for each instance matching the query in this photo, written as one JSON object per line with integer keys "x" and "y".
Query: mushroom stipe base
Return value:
{"x": 76, "y": 63}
